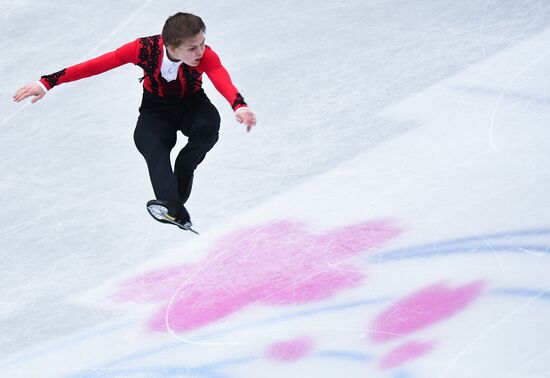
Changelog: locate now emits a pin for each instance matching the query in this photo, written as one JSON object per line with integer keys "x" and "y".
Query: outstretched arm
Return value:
{"x": 122, "y": 55}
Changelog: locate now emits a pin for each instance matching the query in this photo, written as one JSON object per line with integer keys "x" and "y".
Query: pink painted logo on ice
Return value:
{"x": 422, "y": 309}
{"x": 405, "y": 353}
{"x": 291, "y": 350}
{"x": 277, "y": 263}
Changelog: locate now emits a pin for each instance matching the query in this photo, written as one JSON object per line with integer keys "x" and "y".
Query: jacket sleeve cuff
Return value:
{"x": 42, "y": 86}
{"x": 241, "y": 109}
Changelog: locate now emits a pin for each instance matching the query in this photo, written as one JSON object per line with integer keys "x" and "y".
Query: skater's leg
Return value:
{"x": 155, "y": 138}
{"x": 201, "y": 126}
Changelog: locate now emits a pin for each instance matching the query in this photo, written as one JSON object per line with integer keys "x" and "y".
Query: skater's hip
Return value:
{"x": 150, "y": 100}
{"x": 177, "y": 111}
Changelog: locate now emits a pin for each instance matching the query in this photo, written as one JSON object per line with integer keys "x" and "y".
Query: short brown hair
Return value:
{"x": 180, "y": 27}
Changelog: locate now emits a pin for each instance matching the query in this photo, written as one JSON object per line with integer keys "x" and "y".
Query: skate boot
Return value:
{"x": 172, "y": 212}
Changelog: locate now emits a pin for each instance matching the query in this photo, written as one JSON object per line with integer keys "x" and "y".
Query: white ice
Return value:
{"x": 426, "y": 121}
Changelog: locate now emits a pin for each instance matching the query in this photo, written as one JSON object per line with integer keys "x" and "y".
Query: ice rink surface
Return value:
{"x": 389, "y": 215}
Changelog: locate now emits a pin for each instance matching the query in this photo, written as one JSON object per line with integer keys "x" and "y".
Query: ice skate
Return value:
{"x": 170, "y": 212}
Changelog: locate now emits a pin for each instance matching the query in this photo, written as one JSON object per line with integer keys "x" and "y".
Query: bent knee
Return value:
{"x": 206, "y": 125}
{"x": 206, "y": 133}
{"x": 152, "y": 147}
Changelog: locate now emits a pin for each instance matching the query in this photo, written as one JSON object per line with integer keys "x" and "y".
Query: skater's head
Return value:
{"x": 183, "y": 36}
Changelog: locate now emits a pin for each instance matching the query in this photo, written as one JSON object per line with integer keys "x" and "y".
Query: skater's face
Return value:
{"x": 189, "y": 51}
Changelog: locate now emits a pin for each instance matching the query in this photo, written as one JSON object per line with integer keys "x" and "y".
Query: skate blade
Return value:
{"x": 160, "y": 213}
{"x": 187, "y": 226}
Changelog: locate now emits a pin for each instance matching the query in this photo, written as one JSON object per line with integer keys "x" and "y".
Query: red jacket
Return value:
{"x": 147, "y": 53}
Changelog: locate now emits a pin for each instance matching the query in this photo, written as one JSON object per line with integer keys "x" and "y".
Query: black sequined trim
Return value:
{"x": 149, "y": 54}
{"x": 192, "y": 79}
{"x": 239, "y": 100}
{"x": 53, "y": 78}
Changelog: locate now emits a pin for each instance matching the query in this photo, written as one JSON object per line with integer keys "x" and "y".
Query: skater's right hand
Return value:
{"x": 28, "y": 90}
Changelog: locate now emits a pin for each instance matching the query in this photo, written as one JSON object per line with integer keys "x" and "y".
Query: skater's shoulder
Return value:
{"x": 209, "y": 54}
{"x": 156, "y": 38}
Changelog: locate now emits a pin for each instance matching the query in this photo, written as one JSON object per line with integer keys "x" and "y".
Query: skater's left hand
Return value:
{"x": 247, "y": 117}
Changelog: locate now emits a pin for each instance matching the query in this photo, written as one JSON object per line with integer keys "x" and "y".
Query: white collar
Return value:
{"x": 168, "y": 68}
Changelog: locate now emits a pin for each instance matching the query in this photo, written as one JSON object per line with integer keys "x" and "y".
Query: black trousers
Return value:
{"x": 156, "y": 134}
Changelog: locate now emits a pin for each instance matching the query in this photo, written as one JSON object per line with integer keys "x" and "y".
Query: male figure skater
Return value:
{"x": 173, "y": 100}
